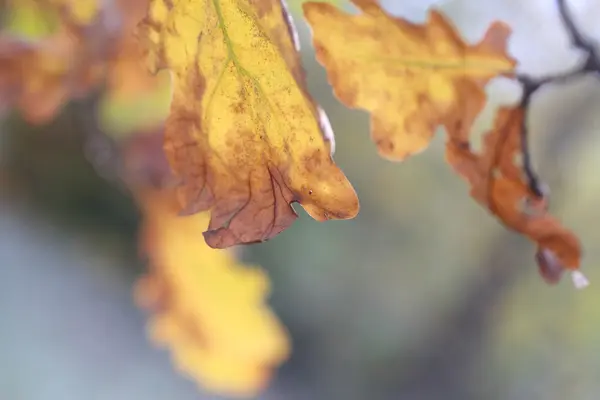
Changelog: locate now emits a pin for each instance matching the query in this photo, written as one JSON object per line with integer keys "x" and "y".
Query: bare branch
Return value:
{"x": 531, "y": 85}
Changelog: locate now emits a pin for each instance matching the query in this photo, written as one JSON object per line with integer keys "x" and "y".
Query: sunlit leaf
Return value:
{"x": 243, "y": 134}
{"x": 411, "y": 78}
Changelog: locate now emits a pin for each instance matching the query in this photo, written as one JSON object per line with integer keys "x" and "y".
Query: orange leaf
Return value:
{"x": 411, "y": 78}
{"x": 498, "y": 184}
{"x": 243, "y": 134}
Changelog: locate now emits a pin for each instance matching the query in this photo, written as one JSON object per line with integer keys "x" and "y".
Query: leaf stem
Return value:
{"x": 531, "y": 85}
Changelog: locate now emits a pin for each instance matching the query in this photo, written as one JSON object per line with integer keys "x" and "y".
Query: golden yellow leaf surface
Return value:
{"x": 411, "y": 78}
{"x": 207, "y": 308}
{"x": 243, "y": 135}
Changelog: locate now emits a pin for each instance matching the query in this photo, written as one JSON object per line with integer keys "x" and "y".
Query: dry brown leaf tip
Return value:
{"x": 411, "y": 78}
{"x": 499, "y": 184}
{"x": 243, "y": 134}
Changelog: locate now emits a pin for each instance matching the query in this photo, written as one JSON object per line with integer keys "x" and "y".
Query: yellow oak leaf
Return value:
{"x": 243, "y": 135}
{"x": 410, "y": 77}
{"x": 207, "y": 308}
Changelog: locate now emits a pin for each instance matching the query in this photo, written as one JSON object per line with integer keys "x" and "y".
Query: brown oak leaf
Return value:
{"x": 499, "y": 184}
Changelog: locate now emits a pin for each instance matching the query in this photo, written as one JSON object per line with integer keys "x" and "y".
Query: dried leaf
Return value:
{"x": 243, "y": 134}
{"x": 411, "y": 78}
{"x": 498, "y": 184}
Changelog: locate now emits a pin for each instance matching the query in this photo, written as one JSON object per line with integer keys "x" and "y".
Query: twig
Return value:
{"x": 530, "y": 85}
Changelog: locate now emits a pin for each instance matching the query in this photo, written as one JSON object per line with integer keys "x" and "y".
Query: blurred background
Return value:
{"x": 422, "y": 296}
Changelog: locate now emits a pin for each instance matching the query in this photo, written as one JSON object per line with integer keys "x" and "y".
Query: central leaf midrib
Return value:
{"x": 228, "y": 43}
{"x": 416, "y": 63}
{"x": 232, "y": 57}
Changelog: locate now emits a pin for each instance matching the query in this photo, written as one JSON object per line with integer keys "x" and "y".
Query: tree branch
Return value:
{"x": 531, "y": 85}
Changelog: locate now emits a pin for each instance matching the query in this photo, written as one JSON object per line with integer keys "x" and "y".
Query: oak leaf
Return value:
{"x": 410, "y": 77}
{"x": 498, "y": 183}
{"x": 207, "y": 308}
{"x": 243, "y": 135}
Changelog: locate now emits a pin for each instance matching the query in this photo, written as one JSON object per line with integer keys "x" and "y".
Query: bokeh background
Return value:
{"x": 422, "y": 296}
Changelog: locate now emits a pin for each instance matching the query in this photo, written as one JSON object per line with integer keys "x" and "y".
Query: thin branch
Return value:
{"x": 531, "y": 85}
{"x": 578, "y": 39}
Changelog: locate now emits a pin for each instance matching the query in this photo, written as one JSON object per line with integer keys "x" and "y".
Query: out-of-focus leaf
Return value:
{"x": 411, "y": 78}
{"x": 91, "y": 45}
{"x": 243, "y": 134}
{"x": 498, "y": 184}
{"x": 208, "y": 308}
{"x": 28, "y": 18}
{"x": 38, "y": 76}
{"x": 135, "y": 99}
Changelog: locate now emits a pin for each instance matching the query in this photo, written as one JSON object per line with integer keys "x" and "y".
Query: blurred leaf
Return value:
{"x": 499, "y": 185}
{"x": 243, "y": 133}
{"x": 29, "y": 19}
{"x": 92, "y": 45}
{"x": 122, "y": 113}
{"x": 38, "y": 76}
{"x": 207, "y": 308}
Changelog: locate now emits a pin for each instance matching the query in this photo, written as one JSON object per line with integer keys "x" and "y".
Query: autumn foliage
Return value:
{"x": 426, "y": 76}
{"x": 206, "y": 306}
{"x": 243, "y": 133}
{"x": 244, "y": 139}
